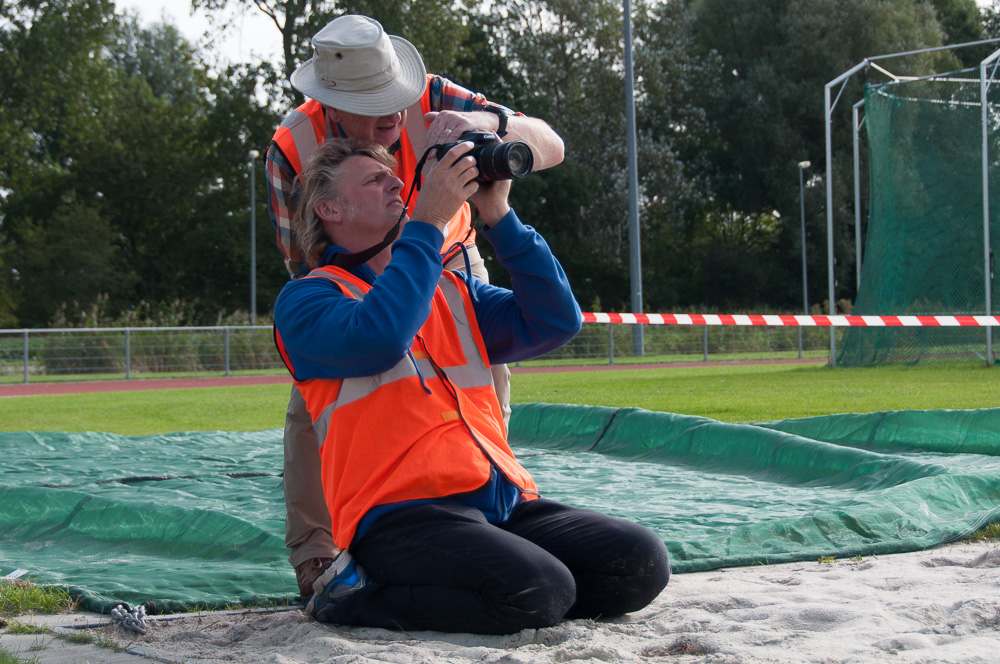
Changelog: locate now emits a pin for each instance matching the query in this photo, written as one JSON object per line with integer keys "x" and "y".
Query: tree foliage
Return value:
{"x": 130, "y": 180}
{"x": 436, "y": 25}
{"x": 125, "y": 174}
{"x": 777, "y": 56}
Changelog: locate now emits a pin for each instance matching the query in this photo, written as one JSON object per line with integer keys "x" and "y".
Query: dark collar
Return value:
{"x": 362, "y": 271}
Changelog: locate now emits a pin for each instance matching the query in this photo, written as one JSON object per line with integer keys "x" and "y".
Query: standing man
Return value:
{"x": 367, "y": 85}
{"x": 392, "y": 357}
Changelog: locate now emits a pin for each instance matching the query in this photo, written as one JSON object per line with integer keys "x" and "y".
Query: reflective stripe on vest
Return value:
{"x": 301, "y": 132}
{"x": 396, "y": 438}
{"x": 474, "y": 373}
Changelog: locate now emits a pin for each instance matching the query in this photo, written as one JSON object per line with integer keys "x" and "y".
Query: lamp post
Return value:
{"x": 803, "y": 165}
{"x": 253, "y": 239}
{"x": 634, "y": 229}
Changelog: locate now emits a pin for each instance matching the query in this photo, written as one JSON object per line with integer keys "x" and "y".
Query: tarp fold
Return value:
{"x": 196, "y": 519}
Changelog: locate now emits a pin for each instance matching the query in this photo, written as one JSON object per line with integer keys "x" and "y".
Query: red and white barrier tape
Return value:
{"x": 794, "y": 320}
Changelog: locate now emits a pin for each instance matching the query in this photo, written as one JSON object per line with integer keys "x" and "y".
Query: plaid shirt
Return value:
{"x": 282, "y": 197}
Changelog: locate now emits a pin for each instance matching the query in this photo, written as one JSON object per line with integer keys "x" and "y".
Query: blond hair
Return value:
{"x": 320, "y": 180}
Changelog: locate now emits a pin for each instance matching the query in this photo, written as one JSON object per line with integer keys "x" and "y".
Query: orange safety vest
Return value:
{"x": 304, "y": 129}
{"x": 384, "y": 439}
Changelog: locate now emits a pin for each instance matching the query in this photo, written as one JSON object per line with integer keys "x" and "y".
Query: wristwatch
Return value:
{"x": 501, "y": 113}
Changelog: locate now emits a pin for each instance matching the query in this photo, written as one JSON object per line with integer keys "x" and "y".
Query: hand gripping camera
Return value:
{"x": 494, "y": 159}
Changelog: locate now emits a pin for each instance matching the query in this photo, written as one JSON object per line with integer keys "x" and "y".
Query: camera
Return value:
{"x": 495, "y": 160}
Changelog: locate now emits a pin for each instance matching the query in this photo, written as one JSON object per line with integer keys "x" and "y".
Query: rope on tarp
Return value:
{"x": 129, "y": 618}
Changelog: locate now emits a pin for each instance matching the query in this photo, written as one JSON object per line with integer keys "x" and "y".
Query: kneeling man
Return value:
{"x": 440, "y": 527}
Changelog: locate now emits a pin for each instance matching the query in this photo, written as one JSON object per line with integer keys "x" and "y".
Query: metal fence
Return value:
{"x": 102, "y": 353}
{"x": 612, "y": 342}
{"x": 132, "y": 352}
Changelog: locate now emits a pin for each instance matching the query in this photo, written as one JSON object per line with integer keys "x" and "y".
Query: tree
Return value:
{"x": 219, "y": 245}
{"x": 8, "y": 305}
{"x": 69, "y": 262}
{"x": 990, "y": 19}
{"x": 569, "y": 55}
{"x": 675, "y": 137}
{"x": 437, "y": 28}
{"x": 52, "y": 89}
{"x": 130, "y": 181}
{"x": 960, "y": 23}
{"x": 181, "y": 204}
{"x": 47, "y": 57}
{"x": 769, "y": 107}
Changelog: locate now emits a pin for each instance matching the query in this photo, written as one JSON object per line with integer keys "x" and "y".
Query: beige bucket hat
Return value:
{"x": 358, "y": 68}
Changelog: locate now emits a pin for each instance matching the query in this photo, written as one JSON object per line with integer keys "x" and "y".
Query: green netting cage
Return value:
{"x": 925, "y": 243}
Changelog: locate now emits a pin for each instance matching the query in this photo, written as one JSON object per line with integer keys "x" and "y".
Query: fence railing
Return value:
{"x": 131, "y": 352}
{"x": 612, "y": 342}
{"x": 116, "y": 352}
{"x": 123, "y": 352}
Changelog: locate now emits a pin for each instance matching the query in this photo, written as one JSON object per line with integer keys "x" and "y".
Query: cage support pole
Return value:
{"x": 984, "y": 110}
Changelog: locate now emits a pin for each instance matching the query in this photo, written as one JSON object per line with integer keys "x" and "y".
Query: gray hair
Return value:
{"x": 320, "y": 180}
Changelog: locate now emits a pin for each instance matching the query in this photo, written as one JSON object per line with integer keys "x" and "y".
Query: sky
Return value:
{"x": 252, "y": 36}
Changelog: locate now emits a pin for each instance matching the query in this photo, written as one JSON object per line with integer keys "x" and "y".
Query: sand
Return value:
{"x": 938, "y": 606}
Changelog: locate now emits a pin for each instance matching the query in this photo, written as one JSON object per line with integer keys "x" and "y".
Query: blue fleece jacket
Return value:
{"x": 329, "y": 335}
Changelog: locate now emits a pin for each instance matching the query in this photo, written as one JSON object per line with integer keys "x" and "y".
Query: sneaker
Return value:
{"x": 341, "y": 578}
{"x": 306, "y": 574}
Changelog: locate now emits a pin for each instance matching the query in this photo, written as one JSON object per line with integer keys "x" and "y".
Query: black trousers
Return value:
{"x": 443, "y": 567}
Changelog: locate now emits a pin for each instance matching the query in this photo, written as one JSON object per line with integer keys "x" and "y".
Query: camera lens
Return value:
{"x": 504, "y": 161}
{"x": 519, "y": 160}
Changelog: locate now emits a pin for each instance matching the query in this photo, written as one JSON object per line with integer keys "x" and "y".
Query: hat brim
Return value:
{"x": 402, "y": 92}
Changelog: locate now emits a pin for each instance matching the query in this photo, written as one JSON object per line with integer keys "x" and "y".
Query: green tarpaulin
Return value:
{"x": 197, "y": 519}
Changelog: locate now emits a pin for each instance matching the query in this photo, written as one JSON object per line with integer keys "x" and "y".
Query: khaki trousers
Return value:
{"x": 307, "y": 522}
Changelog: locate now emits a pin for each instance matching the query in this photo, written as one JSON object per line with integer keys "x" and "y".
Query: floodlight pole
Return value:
{"x": 253, "y": 239}
{"x": 803, "y": 165}
{"x": 635, "y": 243}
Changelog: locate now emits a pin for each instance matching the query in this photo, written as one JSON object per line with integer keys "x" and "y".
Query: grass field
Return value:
{"x": 770, "y": 392}
{"x": 727, "y": 393}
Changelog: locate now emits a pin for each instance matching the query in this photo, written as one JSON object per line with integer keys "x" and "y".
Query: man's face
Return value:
{"x": 384, "y": 130}
{"x": 370, "y": 199}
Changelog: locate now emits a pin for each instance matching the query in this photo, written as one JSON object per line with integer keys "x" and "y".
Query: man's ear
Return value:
{"x": 328, "y": 211}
